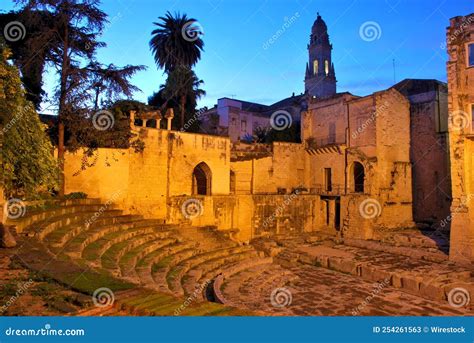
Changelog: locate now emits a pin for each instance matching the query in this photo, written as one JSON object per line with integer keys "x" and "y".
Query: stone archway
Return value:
{"x": 202, "y": 179}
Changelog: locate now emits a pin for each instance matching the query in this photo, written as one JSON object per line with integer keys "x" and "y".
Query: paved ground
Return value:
{"x": 322, "y": 292}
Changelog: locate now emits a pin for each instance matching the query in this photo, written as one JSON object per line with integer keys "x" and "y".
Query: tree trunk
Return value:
{"x": 182, "y": 105}
{"x": 61, "y": 151}
{"x": 62, "y": 106}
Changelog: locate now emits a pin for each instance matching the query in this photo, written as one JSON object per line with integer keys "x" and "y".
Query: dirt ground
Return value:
{"x": 24, "y": 293}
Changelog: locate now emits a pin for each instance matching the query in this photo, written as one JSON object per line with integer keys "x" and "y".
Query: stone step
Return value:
{"x": 176, "y": 273}
{"x": 31, "y": 219}
{"x": 60, "y": 236}
{"x": 205, "y": 272}
{"x": 419, "y": 277}
{"x": 127, "y": 263}
{"x": 111, "y": 257}
{"x": 45, "y": 227}
{"x": 98, "y": 239}
{"x": 160, "y": 270}
{"x": 144, "y": 266}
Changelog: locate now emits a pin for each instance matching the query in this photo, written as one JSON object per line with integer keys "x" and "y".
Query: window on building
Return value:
{"x": 243, "y": 126}
{"x": 472, "y": 118}
{"x": 315, "y": 67}
{"x": 327, "y": 180}
{"x": 470, "y": 54}
{"x": 326, "y": 67}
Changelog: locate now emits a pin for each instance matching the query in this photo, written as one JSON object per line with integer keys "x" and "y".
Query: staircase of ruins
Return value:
{"x": 176, "y": 260}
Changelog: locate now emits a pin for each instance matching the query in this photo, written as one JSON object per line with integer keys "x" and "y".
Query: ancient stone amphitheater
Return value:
{"x": 156, "y": 269}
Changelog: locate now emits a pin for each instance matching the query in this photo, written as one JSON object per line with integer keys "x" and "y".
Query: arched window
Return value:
{"x": 315, "y": 67}
{"x": 202, "y": 178}
{"x": 358, "y": 175}
{"x": 326, "y": 67}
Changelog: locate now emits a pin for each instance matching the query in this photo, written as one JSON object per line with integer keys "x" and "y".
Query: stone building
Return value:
{"x": 460, "y": 67}
{"x": 365, "y": 166}
{"x": 238, "y": 119}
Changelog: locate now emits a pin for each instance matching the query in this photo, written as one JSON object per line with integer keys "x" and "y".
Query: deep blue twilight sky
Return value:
{"x": 236, "y": 64}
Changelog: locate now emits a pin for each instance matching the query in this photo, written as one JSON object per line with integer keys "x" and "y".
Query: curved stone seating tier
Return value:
{"x": 176, "y": 273}
{"x": 92, "y": 244}
{"x": 174, "y": 259}
{"x": 144, "y": 265}
{"x": 128, "y": 262}
{"x": 42, "y": 228}
{"x": 110, "y": 258}
{"x": 61, "y": 235}
{"x": 160, "y": 269}
{"x": 32, "y": 219}
{"x": 204, "y": 273}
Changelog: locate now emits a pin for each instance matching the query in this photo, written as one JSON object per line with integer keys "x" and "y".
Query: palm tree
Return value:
{"x": 183, "y": 84}
{"x": 169, "y": 45}
{"x": 176, "y": 45}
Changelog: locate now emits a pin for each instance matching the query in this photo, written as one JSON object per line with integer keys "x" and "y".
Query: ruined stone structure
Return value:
{"x": 366, "y": 165}
{"x": 460, "y": 47}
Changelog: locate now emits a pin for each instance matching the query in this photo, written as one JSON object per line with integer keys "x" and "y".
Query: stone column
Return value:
{"x": 132, "y": 119}
{"x": 169, "y": 116}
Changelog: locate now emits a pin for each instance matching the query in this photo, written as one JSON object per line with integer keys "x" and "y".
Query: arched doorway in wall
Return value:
{"x": 202, "y": 179}
{"x": 358, "y": 177}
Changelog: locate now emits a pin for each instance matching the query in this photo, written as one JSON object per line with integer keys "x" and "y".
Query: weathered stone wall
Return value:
{"x": 460, "y": 100}
{"x": 430, "y": 157}
{"x": 286, "y": 168}
{"x": 145, "y": 180}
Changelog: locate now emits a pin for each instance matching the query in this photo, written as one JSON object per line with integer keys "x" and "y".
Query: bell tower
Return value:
{"x": 320, "y": 80}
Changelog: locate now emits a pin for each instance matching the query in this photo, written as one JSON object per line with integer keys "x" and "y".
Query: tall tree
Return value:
{"x": 71, "y": 37}
{"x": 27, "y": 160}
{"x": 177, "y": 45}
{"x": 77, "y": 24}
{"x": 112, "y": 80}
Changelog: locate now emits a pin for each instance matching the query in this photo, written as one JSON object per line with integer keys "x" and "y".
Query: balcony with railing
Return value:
{"x": 331, "y": 190}
{"x": 326, "y": 144}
